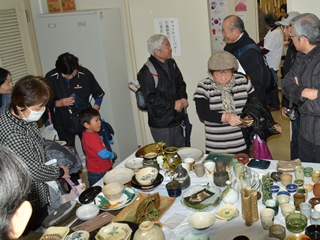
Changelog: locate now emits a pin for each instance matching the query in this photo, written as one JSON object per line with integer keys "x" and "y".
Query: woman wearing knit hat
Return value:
{"x": 219, "y": 101}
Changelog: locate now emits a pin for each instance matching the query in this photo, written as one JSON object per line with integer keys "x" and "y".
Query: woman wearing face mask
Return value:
{"x": 19, "y": 132}
{"x": 5, "y": 89}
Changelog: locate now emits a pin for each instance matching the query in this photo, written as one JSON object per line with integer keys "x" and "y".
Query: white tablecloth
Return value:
{"x": 219, "y": 230}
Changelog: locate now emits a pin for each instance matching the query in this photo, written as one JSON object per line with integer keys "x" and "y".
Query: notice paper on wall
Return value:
{"x": 170, "y": 28}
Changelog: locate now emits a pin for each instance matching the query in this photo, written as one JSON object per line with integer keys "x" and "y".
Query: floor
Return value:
{"x": 279, "y": 145}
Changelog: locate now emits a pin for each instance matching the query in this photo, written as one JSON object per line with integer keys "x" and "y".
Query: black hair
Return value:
{"x": 86, "y": 114}
{"x": 270, "y": 20}
{"x": 284, "y": 7}
{"x": 3, "y": 75}
{"x": 67, "y": 63}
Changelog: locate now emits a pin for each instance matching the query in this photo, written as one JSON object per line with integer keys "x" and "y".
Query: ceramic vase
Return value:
{"x": 230, "y": 195}
{"x": 149, "y": 230}
{"x": 266, "y": 190}
{"x": 256, "y": 182}
{"x": 171, "y": 158}
{"x": 316, "y": 189}
{"x": 181, "y": 175}
{"x": 239, "y": 183}
{"x": 249, "y": 205}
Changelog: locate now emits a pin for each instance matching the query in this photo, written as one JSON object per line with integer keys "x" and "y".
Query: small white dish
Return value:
{"x": 195, "y": 236}
{"x": 227, "y": 212}
{"x": 86, "y": 212}
{"x": 78, "y": 235}
{"x": 201, "y": 220}
{"x": 121, "y": 174}
{"x": 114, "y": 231}
{"x": 134, "y": 163}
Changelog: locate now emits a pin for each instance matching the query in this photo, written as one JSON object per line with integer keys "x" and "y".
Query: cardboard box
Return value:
{"x": 55, "y": 6}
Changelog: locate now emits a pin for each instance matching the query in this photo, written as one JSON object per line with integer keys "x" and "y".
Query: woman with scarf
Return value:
{"x": 220, "y": 99}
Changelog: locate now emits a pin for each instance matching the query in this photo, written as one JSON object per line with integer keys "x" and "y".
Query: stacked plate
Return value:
{"x": 227, "y": 212}
{"x": 147, "y": 188}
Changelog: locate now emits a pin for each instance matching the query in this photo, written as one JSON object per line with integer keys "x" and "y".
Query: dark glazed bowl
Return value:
{"x": 314, "y": 201}
{"x": 313, "y": 231}
{"x": 276, "y": 176}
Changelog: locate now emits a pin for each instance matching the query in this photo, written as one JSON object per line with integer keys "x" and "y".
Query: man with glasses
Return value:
{"x": 252, "y": 61}
{"x": 301, "y": 84}
{"x": 289, "y": 109}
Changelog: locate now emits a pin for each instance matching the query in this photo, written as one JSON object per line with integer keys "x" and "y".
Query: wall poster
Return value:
{"x": 170, "y": 28}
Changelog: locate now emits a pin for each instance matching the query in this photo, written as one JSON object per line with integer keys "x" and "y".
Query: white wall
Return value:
{"x": 305, "y": 6}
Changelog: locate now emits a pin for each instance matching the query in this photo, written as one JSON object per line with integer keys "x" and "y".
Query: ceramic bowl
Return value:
{"x": 287, "y": 208}
{"x": 307, "y": 171}
{"x": 115, "y": 231}
{"x": 276, "y": 176}
{"x": 201, "y": 220}
{"x": 313, "y": 231}
{"x": 291, "y": 188}
{"x": 78, "y": 235}
{"x": 87, "y": 212}
{"x": 299, "y": 182}
{"x": 309, "y": 187}
{"x": 146, "y": 176}
{"x": 189, "y": 152}
{"x": 242, "y": 158}
{"x": 283, "y": 193}
{"x": 297, "y": 236}
{"x": 282, "y": 199}
{"x": 195, "y": 236}
{"x": 121, "y": 174}
{"x": 314, "y": 201}
{"x": 113, "y": 191}
{"x": 274, "y": 188}
{"x": 134, "y": 163}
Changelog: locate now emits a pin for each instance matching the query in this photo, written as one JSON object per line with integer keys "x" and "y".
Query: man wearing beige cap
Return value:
{"x": 289, "y": 109}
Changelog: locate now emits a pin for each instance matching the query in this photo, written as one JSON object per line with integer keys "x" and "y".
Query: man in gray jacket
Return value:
{"x": 301, "y": 84}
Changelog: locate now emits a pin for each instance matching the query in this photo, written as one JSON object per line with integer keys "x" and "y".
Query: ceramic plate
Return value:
{"x": 114, "y": 231}
{"x": 227, "y": 212}
{"x": 147, "y": 188}
{"x": 189, "y": 152}
{"x": 134, "y": 163}
{"x": 153, "y": 147}
{"x": 129, "y": 212}
{"x": 208, "y": 204}
{"x": 195, "y": 236}
{"x": 55, "y": 233}
{"x": 78, "y": 235}
{"x": 88, "y": 195}
{"x": 127, "y": 197}
{"x": 122, "y": 175}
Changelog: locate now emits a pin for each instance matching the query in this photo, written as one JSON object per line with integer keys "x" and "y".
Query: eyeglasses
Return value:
{"x": 220, "y": 73}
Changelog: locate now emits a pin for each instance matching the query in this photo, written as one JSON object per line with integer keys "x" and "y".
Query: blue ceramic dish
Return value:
{"x": 291, "y": 188}
{"x": 274, "y": 188}
{"x": 283, "y": 192}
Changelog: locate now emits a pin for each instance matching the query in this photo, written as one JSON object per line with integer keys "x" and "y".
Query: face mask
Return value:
{"x": 34, "y": 115}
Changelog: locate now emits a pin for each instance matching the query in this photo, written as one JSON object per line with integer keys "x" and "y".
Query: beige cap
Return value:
{"x": 287, "y": 21}
{"x": 222, "y": 60}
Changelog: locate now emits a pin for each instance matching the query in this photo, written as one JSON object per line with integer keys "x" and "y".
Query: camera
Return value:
{"x": 292, "y": 113}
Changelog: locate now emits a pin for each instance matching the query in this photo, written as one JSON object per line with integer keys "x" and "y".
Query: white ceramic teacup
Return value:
{"x": 209, "y": 168}
{"x": 189, "y": 161}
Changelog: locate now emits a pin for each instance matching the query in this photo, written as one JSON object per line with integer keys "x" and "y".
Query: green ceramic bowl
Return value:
{"x": 307, "y": 171}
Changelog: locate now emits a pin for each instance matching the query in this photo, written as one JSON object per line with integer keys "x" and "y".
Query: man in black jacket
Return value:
{"x": 167, "y": 99}
{"x": 252, "y": 61}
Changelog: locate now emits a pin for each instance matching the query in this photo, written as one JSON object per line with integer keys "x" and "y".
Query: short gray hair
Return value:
{"x": 155, "y": 42}
{"x": 237, "y": 23}
{"x": 307, "y": 25}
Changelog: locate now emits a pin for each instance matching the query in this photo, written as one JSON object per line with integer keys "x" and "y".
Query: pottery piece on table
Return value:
{"x": 195, "y": 235}
{"x": 149, "y": 230}
{"x": 266, "y": 190}
{"x": 242, "y": 158}
{"x": 230, "y": 195}
{"x": 308, "y": 186}
{"x": 276, "y": 176}
{"x": 78, "y": 235}
{"x": 181, "y": 175}
{"x": 227, "y": 212}
{"x": 171, "y": 158}
{"x": 256, "y": 183}
{"x": 114, "y": 231}
{"x": 314, "y": 201}
{"x": 316, "y": 189}
{"x": 201, "y": 220}
{"x": 249, "y": 205}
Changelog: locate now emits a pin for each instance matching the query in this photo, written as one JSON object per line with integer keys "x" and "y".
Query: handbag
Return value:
{"x": 259, "y": 148}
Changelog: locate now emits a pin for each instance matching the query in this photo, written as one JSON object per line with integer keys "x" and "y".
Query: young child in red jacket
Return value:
{"x": 98, "y": 157}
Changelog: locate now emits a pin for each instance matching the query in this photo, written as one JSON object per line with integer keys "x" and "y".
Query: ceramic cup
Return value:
{"x": 220, "y": 178}
{"x": 282, "y": 199}
{"x": 287, "y": 208}
{"x": 276, "y": 176}
{"x": 186, "y": 166}
{"x": 277, "y": 231}
{"x": 286, "y": 178}
{"x": 307, "y": 171}
{"x": 209, "y": 168}
{"x": 317, "y": 207}
{"x": 298, "y": 172}
{"x": 238, "y": 168}
{"x": 273, "y": 204}
{"x": 221, "y": 166}
{"x": 173, "y": 188}
{"x": 150, "y": 160}
{"x": 313, "y": 231}
{"x": 189, "y": 161}
{"x": 298, "y": 198}
{"x": 267, "y": 217}
{"x": 199, "y": 169}
{"x": 296, "y": 222}
{"x": 315, "y": 174}
{"x": 315, "y": 217}
{"x": 305, "y": 209}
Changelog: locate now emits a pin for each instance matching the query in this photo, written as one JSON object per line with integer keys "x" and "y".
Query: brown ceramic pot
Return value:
{"x": 316, "y": 189}
{"x": 314, "y": 201}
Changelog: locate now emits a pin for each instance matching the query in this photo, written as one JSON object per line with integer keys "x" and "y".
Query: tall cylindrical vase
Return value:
{"x": 249, "y": 205}
{"x": 266, "y": 189}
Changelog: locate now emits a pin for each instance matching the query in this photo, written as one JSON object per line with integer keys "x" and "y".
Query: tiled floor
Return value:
{"x": 279, "y": 145}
